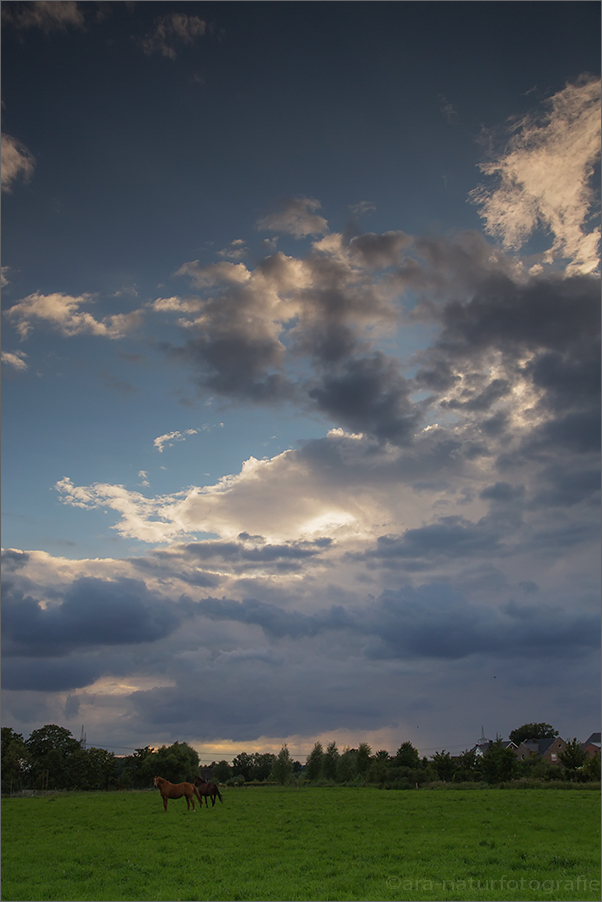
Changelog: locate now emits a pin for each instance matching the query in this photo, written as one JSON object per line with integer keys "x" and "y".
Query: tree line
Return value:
{"x": 51, "y": 758}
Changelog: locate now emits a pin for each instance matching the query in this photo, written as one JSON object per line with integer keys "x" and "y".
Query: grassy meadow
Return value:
{"x": 305, "y": 843}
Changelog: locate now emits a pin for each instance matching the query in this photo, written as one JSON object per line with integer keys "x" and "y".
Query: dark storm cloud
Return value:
{"x": 450, "y": 537}
{"x": 193, "y": 563}
{"x": 274, "y": 620}
{"x": 370, "y": 395}
{"x": 56, "y": 675}
{"x": 432, "y": 621}
{"x": 502, "y": 533}
{"x": 546, "y": 335}
{"x": 435, "y": 621}
{"x": 556, "y": 319}
{"x": 239, "y": 365}
{"x": 93, "y": 612}
{"x": 502, "y": 492}
{"x": 379, "y": 251}
{"x": 260, "y": 698}
{"x": 565, "y": 487}
{"x": 256, "y": 550}
{"x": 171, "y": 566}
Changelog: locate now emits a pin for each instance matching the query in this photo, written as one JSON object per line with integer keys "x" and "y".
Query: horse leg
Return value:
{"x": 165, "y": 803}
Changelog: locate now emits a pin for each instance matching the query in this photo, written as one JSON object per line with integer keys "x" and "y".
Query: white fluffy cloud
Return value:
{"x": 64, "y": 313}
{"x": 16, "y": 359}
{"x": 170, "y": 437}
{"x": 543, "y": 178}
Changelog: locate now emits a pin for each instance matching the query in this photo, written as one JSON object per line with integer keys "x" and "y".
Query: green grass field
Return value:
{"x": 309, "y": 843}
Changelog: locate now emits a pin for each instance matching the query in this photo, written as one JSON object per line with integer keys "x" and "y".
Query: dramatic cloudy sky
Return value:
{"x": 301, "y": 371}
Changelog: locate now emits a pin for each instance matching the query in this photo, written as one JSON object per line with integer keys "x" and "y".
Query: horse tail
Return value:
{"x": 196, "y": 792}
{"x": 219, "y": 795}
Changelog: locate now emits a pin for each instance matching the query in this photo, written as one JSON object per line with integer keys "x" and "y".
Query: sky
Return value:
{"x": 301, "y": 372}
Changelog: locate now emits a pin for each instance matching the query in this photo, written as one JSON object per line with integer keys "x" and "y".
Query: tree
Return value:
{"x": 379, "y": 767}
{"x": 262, "y": 765}
{"x": 407, "y": 756}
{"x": 591, "y": 768}
{"x": 176, "y": 763}
{"x": 572, "y": 757}
{"x": 92, "y": 769}
{"x": 499, "y": 763}
{"x": 50, "y": 748}
{"x": 221, "y": 771}
{"x": 330, "y": 762}
{"x": 468, "y": 767}
{"x": 313, "y": 763}
{"x": 363, "y": 758}
{"x": 533, "y": 732}
{"x": 138, "y": 770}
{"x": 242, "y": 765}
{"x": 444, "y": 765}
{"x": 15, "y": 760}
{"x": 536, "y": 768}
{"x": 282, "y": 769}
{"x": 347, "y": 768}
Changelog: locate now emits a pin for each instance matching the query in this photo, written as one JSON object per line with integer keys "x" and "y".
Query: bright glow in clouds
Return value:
{"x": 544, "y": 179}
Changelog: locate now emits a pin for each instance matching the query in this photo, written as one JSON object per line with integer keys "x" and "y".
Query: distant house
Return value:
{"x": 592, "y": 746}
{"x": 548, "y": 749}
{"x": 482, "y": 746}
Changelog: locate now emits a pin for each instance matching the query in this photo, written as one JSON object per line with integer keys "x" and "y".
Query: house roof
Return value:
{"x": 531, "y": 744}
{"x": 545, "y": 744}
{"x": 594, "y": 739}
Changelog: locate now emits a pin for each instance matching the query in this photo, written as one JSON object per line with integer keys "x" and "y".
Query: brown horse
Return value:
{"x": 207, "y": 790}
{"x": 176, "y": 791}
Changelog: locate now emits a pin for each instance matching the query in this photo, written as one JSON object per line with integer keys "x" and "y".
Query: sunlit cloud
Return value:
{"x": 236, "y": 250}
{"x": 17, "y": 162}
{"x": 16, "y": 359}
{"x": 543, "y": 179}
{"x": 170, "y": 437}
{"x": 63, "y": 312}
